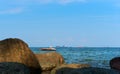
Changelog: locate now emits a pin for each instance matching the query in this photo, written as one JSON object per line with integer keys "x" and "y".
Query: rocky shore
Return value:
{"x": 17, "y": 58}
{"x": 51, "y": 62}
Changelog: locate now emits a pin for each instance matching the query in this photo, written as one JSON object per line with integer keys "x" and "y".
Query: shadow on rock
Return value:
{"x": 89, "y": 70}
{"x": 69, "y": 66}
{"x": 13, "y": 68}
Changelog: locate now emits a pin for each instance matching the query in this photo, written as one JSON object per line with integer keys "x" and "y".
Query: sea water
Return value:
{"x": 95, "y": 56}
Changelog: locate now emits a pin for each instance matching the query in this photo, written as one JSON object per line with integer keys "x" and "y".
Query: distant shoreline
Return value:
{"x": 76, "y": 47}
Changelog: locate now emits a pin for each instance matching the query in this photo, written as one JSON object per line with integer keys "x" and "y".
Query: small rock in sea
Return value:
{"x": 16, "y": 50}
{"x": 115, "y": 63}
{"x": 13, "y": 68}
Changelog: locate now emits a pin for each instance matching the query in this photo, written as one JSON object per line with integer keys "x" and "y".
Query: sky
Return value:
{"x": 77, "y": 23}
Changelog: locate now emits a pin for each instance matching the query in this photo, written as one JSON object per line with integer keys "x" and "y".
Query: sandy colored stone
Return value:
{"x": 16, "y": 50}
{"x": 50, "y": 60}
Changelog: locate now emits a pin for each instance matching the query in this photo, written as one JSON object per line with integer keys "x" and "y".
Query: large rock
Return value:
{"x": 13, "y": 68}
{"x": 50, "y": 60}
{"x": 115, "y": 63}
{"x": 16, "y": 50}
{"x": 74, "y": 66}
{"x": 89, "y": 70}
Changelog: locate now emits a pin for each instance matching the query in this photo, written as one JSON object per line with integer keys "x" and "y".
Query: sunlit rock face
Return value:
{"x": 50, "y": 60}
{"x": 16, "y": 50}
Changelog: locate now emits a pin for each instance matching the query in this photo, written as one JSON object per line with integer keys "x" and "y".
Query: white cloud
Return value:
{"x": 11, "y": 11}
{"x": 53, "y": 1}
{"x": 70, "y": 1}
{"x": 20, "y": 4}
{"x": 59, "y": 1}
{"x": 23, "y": 2}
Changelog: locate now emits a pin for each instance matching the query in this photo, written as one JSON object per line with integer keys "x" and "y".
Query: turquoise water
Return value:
{"x": 96, "y": 57}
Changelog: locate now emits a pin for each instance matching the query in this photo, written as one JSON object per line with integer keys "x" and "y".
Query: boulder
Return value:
{"x": 89, "y": 70}
{"x": 13, "y": 68}
{"x": 115, "y": 63}
{"x": 16, "y": 50}
{"x": 69, "y": 66}
{"x": 50, "y": 60}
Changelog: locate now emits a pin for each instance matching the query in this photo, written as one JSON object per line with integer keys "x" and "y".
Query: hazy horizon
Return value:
{"x": 77, "y": 23}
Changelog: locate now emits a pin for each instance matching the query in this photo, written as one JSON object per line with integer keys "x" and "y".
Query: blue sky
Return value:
{"x": 94, "y": 23}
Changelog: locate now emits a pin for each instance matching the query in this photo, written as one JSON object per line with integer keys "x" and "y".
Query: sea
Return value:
{"x": 95, "y": 56}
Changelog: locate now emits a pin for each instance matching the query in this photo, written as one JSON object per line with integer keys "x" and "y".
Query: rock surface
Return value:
{"x": 74, "y": 66}
{"x": 89, "y": 70}
{"x": 13, "y": 68}
{"x": 115, "y": 63}
{"x": 48, "y": 61}
{"x": 16, "y": 50}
